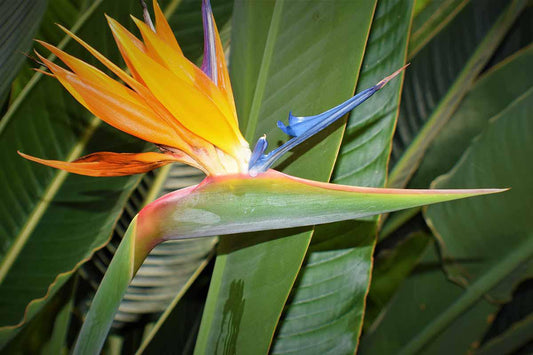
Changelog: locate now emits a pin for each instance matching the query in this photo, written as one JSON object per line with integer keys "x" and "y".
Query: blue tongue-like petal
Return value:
{"x": 302, "y": 128}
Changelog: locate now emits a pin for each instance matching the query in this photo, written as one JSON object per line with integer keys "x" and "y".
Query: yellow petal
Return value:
{"x": 132, "y": 117}
{"x": 184, "y": 69}
{"x": 188, "y": 105}
{"x": 163, "y": 28}
{"x": 151, "y": 101}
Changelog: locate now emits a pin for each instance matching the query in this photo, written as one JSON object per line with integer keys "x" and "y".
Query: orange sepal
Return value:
{"x": 185, "y": 70}
{"x": 113, "y": 164}
{"x": 193, "y": 108}
{"x": 134, "y": 118}
{"x": 163, "y": 29}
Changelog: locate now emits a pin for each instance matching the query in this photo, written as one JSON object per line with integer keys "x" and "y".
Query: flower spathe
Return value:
{"x": 186, "y": 111}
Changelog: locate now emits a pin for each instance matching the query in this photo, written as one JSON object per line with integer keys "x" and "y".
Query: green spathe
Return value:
{"x": 236, "y": 204}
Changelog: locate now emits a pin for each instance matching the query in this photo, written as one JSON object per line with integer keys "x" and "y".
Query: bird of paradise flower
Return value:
{"x": 189, "y": 113}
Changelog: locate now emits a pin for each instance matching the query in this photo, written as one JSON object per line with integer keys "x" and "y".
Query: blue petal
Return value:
{"x": 259, "y": 149}
{"x": 302, "y": 128}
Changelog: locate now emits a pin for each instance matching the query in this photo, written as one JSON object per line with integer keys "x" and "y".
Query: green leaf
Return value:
{"x": 391, "y": 268}
{"x": 325, "y": 312}
{"x": 46, "y": 333}
{"x": 44, "y": 210}
{"x": 420, "y": 300}
{"x": 434, "y": 88}
{"x": 494, "y": 91}
{"x": 488, "y": 238}
{"x": 238, "y": 204}
{"x": 51, "y": 221}
{"x": 503, "y": 224}
{"x": 285, "y": 56}
{"x": 19, "y": 20}
{"x": 490, "y": 94}
{"x": 430, "y": 18}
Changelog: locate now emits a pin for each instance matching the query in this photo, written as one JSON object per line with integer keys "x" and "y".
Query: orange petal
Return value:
{"x": 131, "y": 117}
{"x": 133, "y": 83}
{"x": 151, "y": 101}
{"x": 163, "y": 28}
{"x": 93, "y": 75}
{"x": 113, "y": 164}
{"x": 184, "y": 69}
{"x": 191, "y": 107}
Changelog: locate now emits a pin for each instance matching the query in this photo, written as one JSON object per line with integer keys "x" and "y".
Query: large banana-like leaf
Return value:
{"x": 325, "y": 313}
{"x": 496, "y": 234}
{"x": 44, "y": 210}
{"x": 442, "y": 74}
{"x": 48, "y": 216}
{"x": 504, "y": 225}
{"x": 237, "y": 204}
{"x": 286, "y": 55}
{"x": 421, "y": 299}
{"x": 491, "y": 93}
{"x": 19, "y": 20}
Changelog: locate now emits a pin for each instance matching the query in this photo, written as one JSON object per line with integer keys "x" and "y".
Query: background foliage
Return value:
{"x": 452, "y": 278}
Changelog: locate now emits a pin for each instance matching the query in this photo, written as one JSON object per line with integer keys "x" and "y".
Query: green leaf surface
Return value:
{"x": 431, "y": 17}
{"x": 488, "y": 238}
{"x": 52, "y": 221}
{"x": 426, "y": 295}
{"x": 325, "y": 312}
{"x": 39, "y": 202}
{"x": 493, "y": 92}
{"x": 46, "y": 333}
{"x": 490, "y": 94}
{"x": 442, "y": 74}
{"x": 238, "y": 204}
{"x": 285, "y": 56}
{"x": 19, "y": 20}
{"x": 391, "y": 268}
{"x": 503, "y": 223}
